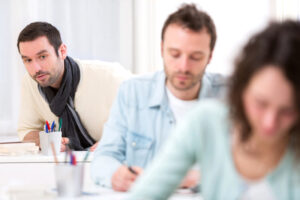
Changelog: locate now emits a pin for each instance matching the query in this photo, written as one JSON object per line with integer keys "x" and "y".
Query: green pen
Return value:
{"x": 86, "y": 155}
{"x": 60, "y": 122}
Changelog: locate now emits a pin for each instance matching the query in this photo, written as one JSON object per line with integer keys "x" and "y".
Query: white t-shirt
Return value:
{"x": 255, "y": 190}
{"x": 258, "y": 190}
{"x": 180, "y": 107}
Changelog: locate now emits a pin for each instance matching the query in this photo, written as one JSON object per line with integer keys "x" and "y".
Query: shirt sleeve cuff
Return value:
{"x": 102, "y": 169}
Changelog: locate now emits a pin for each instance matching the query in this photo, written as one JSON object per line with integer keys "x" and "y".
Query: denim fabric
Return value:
{"x": 140, "y": 122}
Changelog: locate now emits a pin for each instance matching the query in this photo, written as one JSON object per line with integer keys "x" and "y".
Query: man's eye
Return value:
{"x": 42, "y": 57}
{"x": 196, "y": 58}
{"x": 175, "y": 55}
{"x": 27, "y": 60}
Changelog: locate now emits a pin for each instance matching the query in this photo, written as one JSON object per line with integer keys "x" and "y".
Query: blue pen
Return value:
{"x": 52, "y": 126}
{"x": 46, "y": 128}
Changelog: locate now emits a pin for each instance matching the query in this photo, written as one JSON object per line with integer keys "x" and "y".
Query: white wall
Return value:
{"x": 235, "y": 21}
{"x": 127, "y": 31}
{"x": 92, "y": 29}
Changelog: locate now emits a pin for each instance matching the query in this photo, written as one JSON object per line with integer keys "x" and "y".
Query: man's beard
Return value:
{"x": 191, "y": 81}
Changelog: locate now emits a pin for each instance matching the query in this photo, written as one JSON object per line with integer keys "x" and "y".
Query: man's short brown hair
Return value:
{"x": 38, "y": 29}
{"x": 188, "y": 16}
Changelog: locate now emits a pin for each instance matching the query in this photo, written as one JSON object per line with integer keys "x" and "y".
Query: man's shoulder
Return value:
{"x": 138, "y": 90}
{"x": 144, "y": 82}
{"x": 28, "y": 82}
{"x": 26, "y": 77}
{"x": 214, "y": 85}
{"x": 104, "y": 68}
{"x": 216, "y": 79}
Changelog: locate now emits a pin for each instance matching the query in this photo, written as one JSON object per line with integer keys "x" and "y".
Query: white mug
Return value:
{"x": 69, "y": 179}
{"x": 47, "y": 138}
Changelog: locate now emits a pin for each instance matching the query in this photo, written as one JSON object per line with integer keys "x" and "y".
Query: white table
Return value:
{"x": 39, "y": 158}
{"x": 32, "y": 177}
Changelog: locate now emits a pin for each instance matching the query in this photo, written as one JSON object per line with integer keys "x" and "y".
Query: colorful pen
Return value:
{"x": 48, "y": 126}
{"x": 86, "y": 155}
{"x": 132, "y": 170}
{"x": 52, "y": 126}
{"x": 60, "y": 123}
{"x": 73, "y": 159}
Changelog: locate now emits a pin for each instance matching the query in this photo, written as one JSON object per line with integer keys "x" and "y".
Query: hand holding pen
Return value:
{"x": 124, "y": 176}
{"x": 132, "y": 170}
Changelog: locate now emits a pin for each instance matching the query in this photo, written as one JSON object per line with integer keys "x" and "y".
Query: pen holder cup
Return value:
{"x": 46, "y": 139}
{"x": 69, "y": 179}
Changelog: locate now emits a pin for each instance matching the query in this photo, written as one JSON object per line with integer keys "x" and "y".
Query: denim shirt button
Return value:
{"x": 133, "y": 144}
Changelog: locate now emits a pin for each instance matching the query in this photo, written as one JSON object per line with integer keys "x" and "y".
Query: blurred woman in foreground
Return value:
{"x": 250, "y": 147}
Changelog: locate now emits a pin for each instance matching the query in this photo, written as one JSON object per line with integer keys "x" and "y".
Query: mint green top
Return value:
{"x": 204, "y": 138}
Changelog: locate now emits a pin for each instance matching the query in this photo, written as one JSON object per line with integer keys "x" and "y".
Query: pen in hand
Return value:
{"x": 132, "y": 170}
{"x": 196, "y": 189}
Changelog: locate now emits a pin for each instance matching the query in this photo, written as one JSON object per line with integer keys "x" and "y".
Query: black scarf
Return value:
{"x": 61, "y": 104}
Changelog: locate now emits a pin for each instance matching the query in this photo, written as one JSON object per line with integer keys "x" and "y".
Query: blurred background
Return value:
{"x": 125, "y": 31}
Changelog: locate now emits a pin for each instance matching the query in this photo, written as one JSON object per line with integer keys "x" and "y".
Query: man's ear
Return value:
{"x": 161, "y": 48}
{"x": 62, "y": 51}
{"x": 210, "y": 56}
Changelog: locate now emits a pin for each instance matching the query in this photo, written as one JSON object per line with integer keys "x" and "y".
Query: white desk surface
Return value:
{"x": 40, "y": 158}
{"x": 32, "y": 177}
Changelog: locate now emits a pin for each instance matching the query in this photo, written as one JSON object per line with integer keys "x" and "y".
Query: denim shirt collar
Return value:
{"x": 206, "y": 87}
{"x": 160, "y": 98}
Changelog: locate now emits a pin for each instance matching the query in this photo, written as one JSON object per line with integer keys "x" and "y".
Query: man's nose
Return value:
{"x": 36, "y": 67}
{"x": 183, "y": 64}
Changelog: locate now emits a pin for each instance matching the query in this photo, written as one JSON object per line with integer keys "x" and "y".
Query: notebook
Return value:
{"x": 19, "y": 148}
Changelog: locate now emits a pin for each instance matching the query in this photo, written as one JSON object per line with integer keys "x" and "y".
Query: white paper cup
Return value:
{"x": 69, "y": 179}
{"x": 46, "y": 139}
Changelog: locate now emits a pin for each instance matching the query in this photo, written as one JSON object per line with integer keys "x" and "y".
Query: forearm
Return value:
{"x": 167, "y": 170}
{"x": 32, "y": 136}
{"x": 102, "y": 169}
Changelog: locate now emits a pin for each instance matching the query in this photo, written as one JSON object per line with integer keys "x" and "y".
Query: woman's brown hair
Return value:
{"x": 277, "y": 45}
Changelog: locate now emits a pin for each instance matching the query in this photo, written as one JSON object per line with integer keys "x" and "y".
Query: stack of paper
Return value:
{"x": 18, "y": 149}
{"x": 26, "y": 192}
{"x": 9, "y": 139}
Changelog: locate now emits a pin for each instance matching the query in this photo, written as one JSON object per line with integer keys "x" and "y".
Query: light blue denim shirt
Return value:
{"x": 140, "y": 122}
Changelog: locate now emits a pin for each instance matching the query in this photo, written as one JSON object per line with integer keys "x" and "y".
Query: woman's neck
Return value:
{"x": 254, "y": 158}
{"x": 254, "y": 145}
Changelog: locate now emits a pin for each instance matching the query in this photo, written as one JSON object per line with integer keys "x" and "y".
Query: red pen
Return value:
{"x": 73, "y": 159}
{"x": 48, "y": 126}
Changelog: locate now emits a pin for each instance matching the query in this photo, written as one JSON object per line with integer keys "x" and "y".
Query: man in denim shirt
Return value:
{"x": 147, "y": 107}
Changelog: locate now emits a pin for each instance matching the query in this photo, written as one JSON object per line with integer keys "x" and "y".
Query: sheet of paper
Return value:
{"x": 9, "y": 139}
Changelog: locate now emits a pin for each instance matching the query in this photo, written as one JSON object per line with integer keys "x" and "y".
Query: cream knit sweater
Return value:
{"x": 98, "y": 86}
